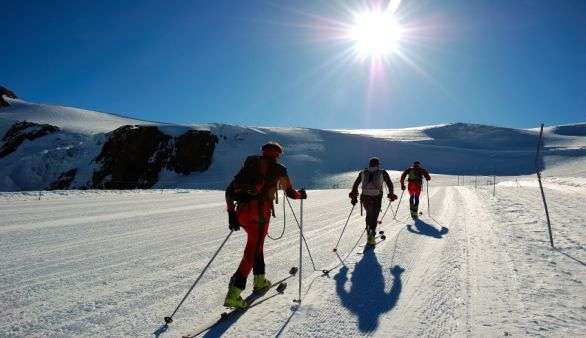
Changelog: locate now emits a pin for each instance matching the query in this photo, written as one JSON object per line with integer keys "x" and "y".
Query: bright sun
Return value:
{"x": 376, "y": 34}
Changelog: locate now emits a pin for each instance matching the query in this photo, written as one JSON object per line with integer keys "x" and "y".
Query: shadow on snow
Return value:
{"x": 367, "y": 298}
{"x": 425, "y": 229}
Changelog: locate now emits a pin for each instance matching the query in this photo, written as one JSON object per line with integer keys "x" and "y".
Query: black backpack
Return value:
{"x": 250, "y": 183}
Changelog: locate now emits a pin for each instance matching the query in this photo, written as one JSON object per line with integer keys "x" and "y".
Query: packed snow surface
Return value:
{"x": 114, "y": 263}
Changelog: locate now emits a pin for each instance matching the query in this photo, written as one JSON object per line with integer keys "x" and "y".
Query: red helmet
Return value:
{"x": 272, "y": 149}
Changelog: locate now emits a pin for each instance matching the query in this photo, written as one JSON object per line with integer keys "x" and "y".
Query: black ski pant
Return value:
{"x": 372, "y": 205}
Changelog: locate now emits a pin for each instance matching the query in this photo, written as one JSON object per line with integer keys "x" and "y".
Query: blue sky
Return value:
{"x": 274, "y": 63}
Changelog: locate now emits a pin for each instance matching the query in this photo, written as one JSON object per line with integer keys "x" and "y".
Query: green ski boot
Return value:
{"x": 261, "y": 284}
{"x": 371, "y": 240}
{"x": 233, "y": 299}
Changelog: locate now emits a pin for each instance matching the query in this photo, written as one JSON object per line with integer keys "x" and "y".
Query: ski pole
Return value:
{"x": 398, "y": 204}
{"x": 300, "y": 248}
{"x": 384, "y": 214}
{"x": 344, "y": 229}
{"x": 360, "y": 208}
{"x": 169, "y": 320}
{"x": 427, "y": 187}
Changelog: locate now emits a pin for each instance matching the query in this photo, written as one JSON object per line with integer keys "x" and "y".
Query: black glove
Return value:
{"x": 303, "y": 194}
{"x": 353, "y": 197}
{"x": 392, "y": 196}
{"x": 402, "y": 187}
{"x": 233, "y": 221}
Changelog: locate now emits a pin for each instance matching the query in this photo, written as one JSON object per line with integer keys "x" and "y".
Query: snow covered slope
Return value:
{"x": 74, "y": 120}
{"x": 315, "y": 158}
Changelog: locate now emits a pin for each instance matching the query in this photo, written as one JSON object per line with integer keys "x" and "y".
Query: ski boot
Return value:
{"x": 414, "y": 214}
{"x": 371, "y": 240}
{"x": 261, "y": 284}
{"x": 233, "y": 299}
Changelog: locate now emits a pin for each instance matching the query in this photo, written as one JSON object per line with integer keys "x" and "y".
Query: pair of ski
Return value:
{"x": 256, "y": 298}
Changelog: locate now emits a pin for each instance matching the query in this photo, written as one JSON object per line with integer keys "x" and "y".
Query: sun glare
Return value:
{"x": 376, "y": 34}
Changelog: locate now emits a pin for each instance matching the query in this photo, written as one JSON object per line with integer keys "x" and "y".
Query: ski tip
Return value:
{"x": 334, "y": 249}
{"x": 281, "y": 288}
{"x": 293, "y": 271}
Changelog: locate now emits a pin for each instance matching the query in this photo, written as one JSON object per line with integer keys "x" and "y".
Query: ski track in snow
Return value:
{"x": 114, "y": 264}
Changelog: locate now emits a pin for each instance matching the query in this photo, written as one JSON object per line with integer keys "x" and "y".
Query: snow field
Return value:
{"x": 115, "y": 263}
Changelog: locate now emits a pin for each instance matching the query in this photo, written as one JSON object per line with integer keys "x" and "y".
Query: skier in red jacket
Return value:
{"x": 415, "y": 175}
{"x": 249, "y": 199}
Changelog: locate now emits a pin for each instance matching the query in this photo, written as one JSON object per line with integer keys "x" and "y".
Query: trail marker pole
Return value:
{"x": 538, "y": 171}
{"x": 493, "y": 185}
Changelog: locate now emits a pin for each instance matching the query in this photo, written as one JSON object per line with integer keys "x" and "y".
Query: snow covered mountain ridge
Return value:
{"x": 70, "y": 148}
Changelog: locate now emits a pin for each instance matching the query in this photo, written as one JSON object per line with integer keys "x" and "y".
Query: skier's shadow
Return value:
{"x": 425, "y": 229}
{"x": 367, "y": 297}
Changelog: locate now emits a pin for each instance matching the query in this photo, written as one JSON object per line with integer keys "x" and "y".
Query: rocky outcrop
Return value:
{"x": 8, "y": 93}
{"x": 64, "y": 180}
{"x": 133, "y": 156}
{"x": 21, "y": 131}
{"x": 193, "y": 152}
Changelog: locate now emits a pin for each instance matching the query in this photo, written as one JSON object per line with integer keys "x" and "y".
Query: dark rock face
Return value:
{"x": 193, "y": 152}
{"x": 64, "y": 180}
{"x": 21, "y": 131}
{"x": 134, "y": 156}
{"x": 8, "y": 93}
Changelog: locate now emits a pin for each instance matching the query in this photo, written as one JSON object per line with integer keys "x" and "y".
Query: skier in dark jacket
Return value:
{"x": 414, "y": 175}
{"x": 372, "y": 179}
{"x": 249, "y": 200}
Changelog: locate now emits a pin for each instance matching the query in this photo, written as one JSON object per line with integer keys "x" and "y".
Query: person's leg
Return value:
{"x": 260, "y": 281}
{"x": 249, "y": 223}
{"x": 414, "y": 191}
{"x": 372, "y": 204}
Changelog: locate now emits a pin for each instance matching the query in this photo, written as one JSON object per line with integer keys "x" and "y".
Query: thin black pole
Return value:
{"x": 344, "y": 229}
{"x": 398, "y": 204}
{"x": 300, "y": 248}
{"x": 427, "y": 187}
{"x": 538, "y": 170}
{"x": 169, "y": 319}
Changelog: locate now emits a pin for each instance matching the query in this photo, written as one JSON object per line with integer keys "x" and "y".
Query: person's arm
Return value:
{"x": 287, "y": 186}
{"x": 230, "y": 203}
{"x": 354, "y": 192}
{"x": 426, "y": 174}
{"x": 356, "y": 183}
{"x": 233, "y": 223}
{"x": 403, "y": 175}
{"x": 388, "y": 181}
